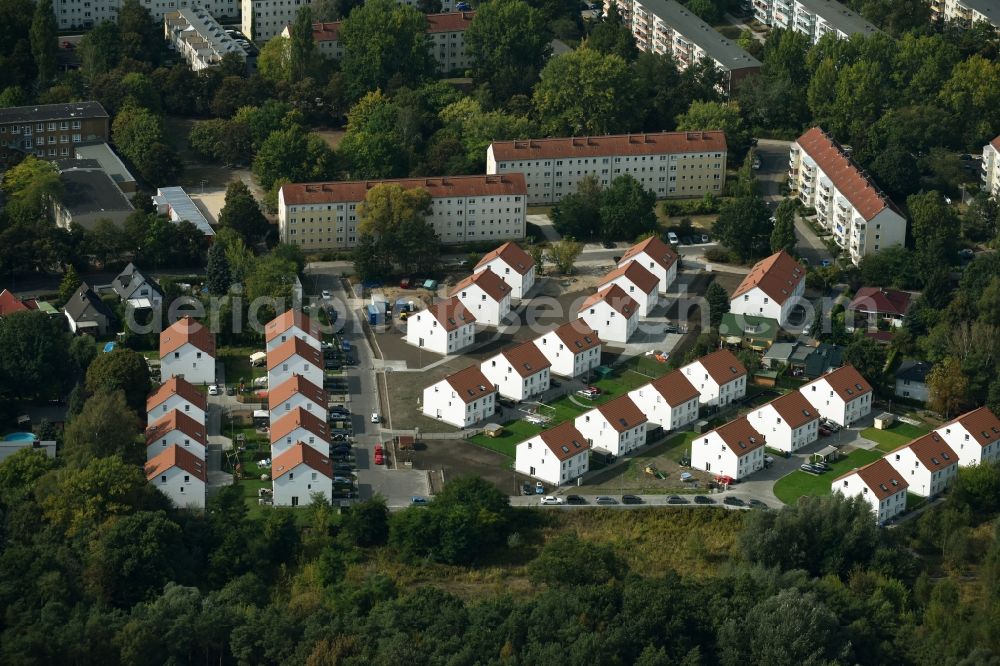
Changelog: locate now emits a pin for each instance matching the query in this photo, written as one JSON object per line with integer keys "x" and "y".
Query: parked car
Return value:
{"x": 756, "y": 162}
{"x": 332, "y": 364}
{"x": 575, "y": 499}
{"x": 824, "y": 431}
{"x": 757, "y": 504}
{"x": 703, "y": 499}
{"x": 671, "y": 328}
{"x": 526, "y": 489}
{"x": 552, "y": 499}
{"x": 326, "y": 293}
{"x": 343, "y": 467}
{"x": 631, "y": 499}
{"x": 672, "y": 238}
{"x": 811, "y": 469}
{"x": 734, "y": 501}
{"x": 213, "y": 389}
{"x": 376, "y": 418}
{"x": 705, "y": 238}
{"x": 418, "y": 500}
{"x": 590, "y": 392}
{"x": 820, "y": 464}
{"x": 676, "y": 499}
{"x": 230, "y": 390}
{"x": 604, "y": 499}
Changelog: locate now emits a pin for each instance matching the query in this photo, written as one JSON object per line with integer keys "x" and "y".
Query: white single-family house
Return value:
{"x": 556, "y": 456}
{"x": 294, "y": 393}
{"x": 618, "y": 426}
{"x": 719, "y": 377}
{"x": 788, "y": 422}
{"x": 735, "y": 450}
{"x": 298, "y": 473}
{"x": 294, "y": 356}
{"x": 841, "y": 395}
{"x": 637, "y": 282}
{"x": 135, "y": 290}
{"x": 573, "y": 349}
{"x": 927, "y": 463}
{"x": 485, "y": 295}
{"x": 519, "y": 372}
{"x": 880, "y": 484}
{"x": 656, "y": 257}
{"x": 176, "y": 394}
{"x": 462, "y": 398}
{"x": 299, "y": 426}
{"x": 187, "y": 349}
{"x": 176, "y": 428}
{"x": 513, "y": 264}
{"x": 974, "y": 436}
{"x": 291, "y": 324}
{"x": 447, "y": 327}
{"x": 612, "y": 313}
{"x": 772, "y": 288}
{"x": 670, "y": 401}
{"x": 911, "y": 380}
{"x": 180, "y": 475}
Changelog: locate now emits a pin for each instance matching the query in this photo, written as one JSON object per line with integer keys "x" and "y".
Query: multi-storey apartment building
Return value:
{"x": 991, "y": 167}
{"x": 669, "y": 164}
{"x": 666, "y": 26}
{"x": 445, "y": 36}
{"x": 260, "y": 20}
{"x": 847, "y": 202}
{"x": 321, "y": 216}
{"x": 814, "y": 18}
{"x": 75, "y": 14}
{"x": 967, "y": 13}
{"x": 49, "y": 131}
{"x": 198, "y": 38}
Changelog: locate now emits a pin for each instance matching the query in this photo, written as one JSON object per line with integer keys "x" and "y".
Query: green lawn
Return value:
{"x": 789, "y": 488}
{"x": 893, "y": 438}
{"x": 237, "y": 363}
{"x": 514, "y": 433}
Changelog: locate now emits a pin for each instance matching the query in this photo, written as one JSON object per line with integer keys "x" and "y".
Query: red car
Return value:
{"x": 68, "y": 45}
{"x": 379, "y": 457}
{"x": 824, "y": 431}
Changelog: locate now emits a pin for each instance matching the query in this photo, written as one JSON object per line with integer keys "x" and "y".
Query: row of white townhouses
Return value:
{"x": 814, "y": 18}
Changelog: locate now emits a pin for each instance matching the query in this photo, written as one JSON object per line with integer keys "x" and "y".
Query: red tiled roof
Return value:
{"x": 286, "y": 320}
{"x": 488, "y": 281}
{"x": 617, "y": 144}
{"x": 449, "y": 21}
{"x": 9, "y": 303}
{"x": 982, "y": 425}
{"x": 655, "y": 248}
{"x": 777, "y": 276}
{"x": 722, "y": 366}
{"x": 301, "y": 454}
{"x": 616, "y": 297}
{"x": 844, "y": 173}
{"x": 326, "y": 32}
{"x": 634, "y": 272}
{"x": 176, "y": 420}
{"x": 512, "y": 255}
{"x": 564, "y": 440}
{"x": 794, "y": 409}
{"x": 879, "y": 300}
{"x": 176, "y": 456}
{"x": 880, "y": 477}
{"x": 177, "y": 386}
{"x": 622, "y": 413}
{"x": 740, "y": 436}
{"x": 451, "y": 314}
{"x": 847, "y": 383}
{"x": 297, "y": 384}
{"x": 293, "y": 347}
{"x": 446, "y": 186}
{"x": 298, "y": 418}
{"x": 526, "y": 359}
{"x": 187, "y": 331}
{"x": 675, "y": 388}
{"x": 578, "y": 336}
{"x": 932, "y": 451}
{"x": 470, "y": 384}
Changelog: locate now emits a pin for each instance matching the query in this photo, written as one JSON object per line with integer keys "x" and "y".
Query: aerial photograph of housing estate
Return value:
{"x": 506, "y": 332}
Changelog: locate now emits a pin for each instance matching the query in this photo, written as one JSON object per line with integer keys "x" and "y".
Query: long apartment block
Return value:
{"x": 74, "y": 14}
{"x": 199, "y": 39}
{"x": 666, "y": 26}
{"x": 991, "y": 167}
{"x": 861, "y": 217}
{"x": 967, "y": 13}
{"x": 670, "y": 164}
{"x": 50, "y": 131}
{"x": 445, "y": 34}
{"x": 813, "y": 18}
{"x": 321, "y": 216}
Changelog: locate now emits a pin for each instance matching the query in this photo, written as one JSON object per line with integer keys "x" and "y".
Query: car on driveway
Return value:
{"x": 757, "y": 504}
{"x": 604, "y": 499}
{"x": 824, "y": 431}
{"x": 526, "y": 489}
{"x": 230, "y": 390}
{"x": 631, "y": 499}
{"x": 734, "y": 501}
{"x": 676, "y": 499}
{"x": 672, "y": 238}
{"x": 811, "y": 469}
{"x": 376, "y": 418}
{"x": 589, "y": 392}
{"x": 703, "y": 499}
{"x": 575, "y": 499}
{"x": 552, "y": 499}
{"x": 418, "y": 500}
{"x": 213, "y": 389}
{"x": 326, "y": 293}
{"x": 705, "y": 238}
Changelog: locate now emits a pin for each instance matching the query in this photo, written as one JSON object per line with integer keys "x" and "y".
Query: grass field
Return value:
{"x": 893, "y": 438}
{"x": 631, "y": 476}
{"x": 793, "y": 486}
{"x": 236, "y": 360}
{"x": 513, "y": 433}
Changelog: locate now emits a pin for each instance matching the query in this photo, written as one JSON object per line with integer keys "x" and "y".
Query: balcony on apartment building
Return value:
{"x": 825, "y": 188}
{"x": 783, "y": 6}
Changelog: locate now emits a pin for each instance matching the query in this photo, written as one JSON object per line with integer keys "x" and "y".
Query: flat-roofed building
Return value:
{"x": 175, "y": 203}
{"x": 82, "y": 14}
{"x": 966, "y": 13}
{"x": 464, "y": 209}
{"x": 89, "y": 195}
{"x": 109, "y": 162}
{"x": 199, "y": 38}
{"x": 669, "y": 164}
{"x": 813, "y": 18}
{"x": 50, "y": 131}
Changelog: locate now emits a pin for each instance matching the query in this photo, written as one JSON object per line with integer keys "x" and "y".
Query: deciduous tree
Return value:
{"x": 585, "y": 92}
{"x": 627, "y": 210}
{"x": 783, "y": 235}
{"x": 242, "y": 213}
{"x": 717, "y": 300}
{"x": 121, "y": 370}
{"x": 106, "y": 426}
{"x": 44, "y": 40}
{"x": 947, "y": 387}
{"x": 564, "y": 252}
{"x": 508, "y": 43}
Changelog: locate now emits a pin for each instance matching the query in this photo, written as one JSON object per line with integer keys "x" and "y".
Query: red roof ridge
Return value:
{"x": 177, "y": 386}
{"x": 451, "y": 313}
{"x": 491, "y": 283}
{"x": 286, "y": 320}
{"x": 577, "y": 335}
{"x": 931, "y": 450}
{"x": 292, "y": 347}
{"x": 622, "y": 413}
{"x": 881, "y": 477}
{"x": 293, "y": 385}
{"x": 740, "y": 436}
{"x": 470, "y": 384}
{"x": 441, "y": 186}
{"x": 981, "y": 423}
{"x": 512, "y": 254}
{"x": 636, "y": 274}
{"x": 795, "y": 409}
{"x": 722, "y": 366}
{"x": 298, "y": 418}
{"x": 526, "y": 358}
{"x": 675, "y": 388}
{"x": 655, "y": 248}
{"x": 564, "y": 440}
{"x": 642, "y": 143}
{"x": 299, "y": 454}
{"x": 187, "y": 330}
{"x": 777, "y": 276}
{"x": 177, "y": 420}
{"x": 176, "y": 456}
{"x": 615, "y": 297}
